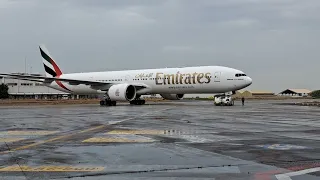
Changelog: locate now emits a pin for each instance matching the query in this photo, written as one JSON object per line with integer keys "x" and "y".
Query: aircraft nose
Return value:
{"x": 249, "y": 81}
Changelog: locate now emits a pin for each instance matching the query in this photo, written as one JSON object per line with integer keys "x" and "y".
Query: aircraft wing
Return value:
{"x": 34, "y": 80}
{"x": 50, "y": 79}
{"x": 93, "y": 84}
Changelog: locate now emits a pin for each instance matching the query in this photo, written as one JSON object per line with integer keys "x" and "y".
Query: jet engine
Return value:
{"x": 172, "y": 96}
{"x": 122, "y": 92}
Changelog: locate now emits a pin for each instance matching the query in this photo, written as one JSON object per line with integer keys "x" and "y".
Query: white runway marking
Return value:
{"x": 287, "y": 176}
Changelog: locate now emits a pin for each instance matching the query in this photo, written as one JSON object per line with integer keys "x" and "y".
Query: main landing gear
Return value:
{"x": 107, "y": 102}
{"x": 138, "y": 102}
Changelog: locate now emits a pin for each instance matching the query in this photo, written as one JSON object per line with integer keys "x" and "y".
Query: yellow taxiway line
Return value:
{"x": 53, "y": 139}
{"x": 26, "y": 133}
{"x": 80, "y": 132}
{"x": 50, "y": 169}
{"x": 115, "y": 140}
{"x": 132, "y": 131}
{"x": 10, "y": 139}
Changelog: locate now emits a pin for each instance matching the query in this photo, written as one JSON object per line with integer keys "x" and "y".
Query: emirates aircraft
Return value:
{"x": 129, "y": 85}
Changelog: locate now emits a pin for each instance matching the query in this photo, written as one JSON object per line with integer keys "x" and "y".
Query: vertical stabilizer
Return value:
{"x": 50, "y": 66}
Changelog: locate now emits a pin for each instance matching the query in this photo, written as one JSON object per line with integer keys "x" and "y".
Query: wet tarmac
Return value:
{"x": 165, "y": 140}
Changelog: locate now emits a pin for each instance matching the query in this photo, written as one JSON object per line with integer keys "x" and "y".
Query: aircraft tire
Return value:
{"x": 138, "y": 102}
{"x": 110, "y": 103}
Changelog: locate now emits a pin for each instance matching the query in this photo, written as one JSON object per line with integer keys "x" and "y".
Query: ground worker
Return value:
{"x": 242, "y": 99}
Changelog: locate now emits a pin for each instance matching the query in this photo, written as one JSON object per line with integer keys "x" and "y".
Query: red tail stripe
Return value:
{"x": 61, "y": 85}
{"x": 56, "y": 68}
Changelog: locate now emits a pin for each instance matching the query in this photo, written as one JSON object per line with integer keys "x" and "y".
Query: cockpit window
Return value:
{"x": 239, "y": 75}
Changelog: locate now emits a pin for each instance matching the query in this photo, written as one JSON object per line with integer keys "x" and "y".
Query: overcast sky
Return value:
{"x": 276, "y": 42}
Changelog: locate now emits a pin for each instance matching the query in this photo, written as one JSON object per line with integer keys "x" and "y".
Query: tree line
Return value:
{"x": 4, "y": 91}
{"x": 315, "y": 94}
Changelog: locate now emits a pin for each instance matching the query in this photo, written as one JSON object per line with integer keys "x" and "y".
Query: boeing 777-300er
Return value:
{"x": 129, "y": 85}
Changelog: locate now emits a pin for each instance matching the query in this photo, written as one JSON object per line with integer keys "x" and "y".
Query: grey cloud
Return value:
{"x": 275, "y": 42}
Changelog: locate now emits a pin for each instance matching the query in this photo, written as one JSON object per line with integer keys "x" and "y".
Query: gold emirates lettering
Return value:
{"x": 179, "y": 78}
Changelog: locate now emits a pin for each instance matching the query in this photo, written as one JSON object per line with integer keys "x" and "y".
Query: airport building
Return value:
{"x": 295, "y": 92}
{"x": 253, "y": 93}
{"x": 29, "y": 89}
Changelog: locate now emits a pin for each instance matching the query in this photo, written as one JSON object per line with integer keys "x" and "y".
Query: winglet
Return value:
{"x": 50, "y": 66}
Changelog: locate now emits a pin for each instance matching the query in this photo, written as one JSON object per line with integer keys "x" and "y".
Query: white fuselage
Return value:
{"x": 187, "y": 80}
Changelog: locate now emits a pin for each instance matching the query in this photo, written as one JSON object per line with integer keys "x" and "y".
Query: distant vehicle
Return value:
{"x": 65, "y": 96}
{"x": 130, "y": 85}
{"x": 223, "y": 100}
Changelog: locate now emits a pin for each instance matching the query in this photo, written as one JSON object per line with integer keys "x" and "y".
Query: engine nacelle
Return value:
{"x": 122, "y": 92}
{"x": 172, "y": 96}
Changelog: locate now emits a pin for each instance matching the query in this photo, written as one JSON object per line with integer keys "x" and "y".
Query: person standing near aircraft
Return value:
{"x": 242, "y": 99}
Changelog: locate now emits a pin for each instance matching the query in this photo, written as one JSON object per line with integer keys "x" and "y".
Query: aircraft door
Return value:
{"x": 217, "y": 76}
{"x": 127, "y": 78}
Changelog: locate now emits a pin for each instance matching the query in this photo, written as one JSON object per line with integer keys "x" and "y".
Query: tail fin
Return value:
{"x": 50, "y": 66}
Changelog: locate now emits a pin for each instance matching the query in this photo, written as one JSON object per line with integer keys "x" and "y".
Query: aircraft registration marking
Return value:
{"x": 50, "y": 169}
{"x": 24, "y": 133}
{"x": 115, "y": 140}
{"x": 132, "y": 131}
{"x": 10, "y": 139}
